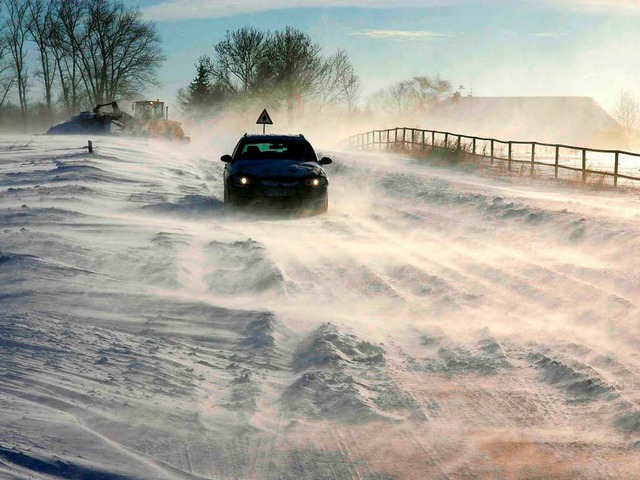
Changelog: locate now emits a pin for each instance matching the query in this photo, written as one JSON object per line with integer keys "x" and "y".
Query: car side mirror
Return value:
{"x": 226, "y": 158}
{"x": 325, "y": 161}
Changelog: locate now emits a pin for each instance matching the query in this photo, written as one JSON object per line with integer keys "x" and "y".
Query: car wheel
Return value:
{"x": 229, "y": 198}
{"x": 323, "y": 205}
{"x": 232, "y": 200}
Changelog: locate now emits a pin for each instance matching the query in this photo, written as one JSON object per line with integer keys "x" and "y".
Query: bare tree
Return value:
{"x": 40, "y": 25}
{"x": 430, "y": 90}
{"x": 627, "y": 113}
{"x": 417, "y": 95}
{"x": 66, "y": 41}
{"x": 121, "y": 53}
{"x": 108, "y": 47}
{"x": 7, "y": 76}
{"x": 294, "y": 69}
{"x": 401, "y": 95}
{"x": 342, "y": 84}
{"x": 284, "y": 68}
{"x": 237, "y": 59}
{"x": 15, "y": 36}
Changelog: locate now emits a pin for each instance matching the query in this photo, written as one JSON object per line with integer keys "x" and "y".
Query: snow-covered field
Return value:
{"x": 434, "y": 324}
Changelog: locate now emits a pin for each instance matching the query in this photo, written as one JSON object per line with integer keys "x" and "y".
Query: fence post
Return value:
{"x": 533, "y": 158}
{"x": 473, "y": 146}
{"x": 615, "y": 170}
{"x": 446, "y": 141}
{"x": 492, "y": 151}
{"x": 557, "y": 159}
{"x": 424, "y": 143}
{"x": 459, "y": 147}
{"x": 510, "y": 152}
{"x": 433, "y": 139}
{"x": 584, "y": 165}
{"x": 404, "y": 138}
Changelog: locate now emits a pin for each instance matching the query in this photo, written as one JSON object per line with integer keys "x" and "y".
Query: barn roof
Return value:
{"x": 572, "y": 120}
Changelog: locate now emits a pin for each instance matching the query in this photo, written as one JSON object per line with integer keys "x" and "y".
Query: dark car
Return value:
{"x": 276, "y": 169}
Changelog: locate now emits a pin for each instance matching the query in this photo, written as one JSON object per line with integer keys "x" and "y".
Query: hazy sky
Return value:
{"x": 496, "y": 47}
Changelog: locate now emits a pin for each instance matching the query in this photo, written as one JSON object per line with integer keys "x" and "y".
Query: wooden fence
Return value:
{"x": 588, "y": 161}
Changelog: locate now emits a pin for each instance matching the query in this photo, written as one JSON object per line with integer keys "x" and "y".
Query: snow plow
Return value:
{"x": 150, "y": 119}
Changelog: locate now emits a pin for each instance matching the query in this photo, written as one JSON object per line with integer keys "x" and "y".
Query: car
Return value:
{"x": 276, "y": 170}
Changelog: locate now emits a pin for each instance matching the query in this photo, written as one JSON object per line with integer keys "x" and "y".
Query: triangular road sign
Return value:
{"x": 264, "y": 119}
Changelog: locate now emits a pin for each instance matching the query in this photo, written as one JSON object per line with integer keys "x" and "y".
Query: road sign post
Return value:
{"x": 264, "y": 120}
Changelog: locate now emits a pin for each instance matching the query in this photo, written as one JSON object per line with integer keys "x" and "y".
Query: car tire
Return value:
{"x": 232, "y": 200}
{"x": 324, "y": 206}
{"x": 229, "y": 198}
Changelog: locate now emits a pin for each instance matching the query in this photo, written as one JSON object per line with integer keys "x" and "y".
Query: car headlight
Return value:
{"x": 316, "y": 182}
{"x": 242, "y": 180}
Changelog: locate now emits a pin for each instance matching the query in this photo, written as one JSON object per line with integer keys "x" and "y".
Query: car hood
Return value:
{"x": 276, "y": 168}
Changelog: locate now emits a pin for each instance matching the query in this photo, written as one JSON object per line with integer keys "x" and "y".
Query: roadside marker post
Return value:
{"x": 264, "y": 120}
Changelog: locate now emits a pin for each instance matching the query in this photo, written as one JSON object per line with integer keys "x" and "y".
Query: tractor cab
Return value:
{"x": 150, "y": 111}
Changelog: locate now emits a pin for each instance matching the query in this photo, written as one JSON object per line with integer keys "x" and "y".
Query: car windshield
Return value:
{"x": 276, "y": 150}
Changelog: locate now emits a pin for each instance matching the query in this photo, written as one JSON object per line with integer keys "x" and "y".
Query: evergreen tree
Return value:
{"x": 201, "y": 96}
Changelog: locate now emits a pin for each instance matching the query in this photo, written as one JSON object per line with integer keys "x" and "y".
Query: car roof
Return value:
{"x": 272, "y": 138}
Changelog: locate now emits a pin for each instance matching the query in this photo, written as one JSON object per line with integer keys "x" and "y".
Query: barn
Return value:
{"x": 577, "y": 121}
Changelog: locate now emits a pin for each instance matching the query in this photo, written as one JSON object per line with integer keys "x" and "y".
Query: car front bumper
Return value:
{"x": 287, "y": 197}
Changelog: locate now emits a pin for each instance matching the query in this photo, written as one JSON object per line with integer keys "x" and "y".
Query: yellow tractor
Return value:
{"x": 151, "y": 119}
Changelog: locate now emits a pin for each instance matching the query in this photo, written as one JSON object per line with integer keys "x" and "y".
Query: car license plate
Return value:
{"x": 280, "y": 192}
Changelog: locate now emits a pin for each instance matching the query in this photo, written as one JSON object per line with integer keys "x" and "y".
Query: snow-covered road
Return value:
{"x": 434, "y": 324}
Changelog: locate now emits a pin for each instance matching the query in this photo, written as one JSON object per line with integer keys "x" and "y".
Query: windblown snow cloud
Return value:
{"x": 416, "y": 35}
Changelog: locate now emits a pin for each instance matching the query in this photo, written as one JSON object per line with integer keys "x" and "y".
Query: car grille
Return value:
{"x": 280, "y": 183}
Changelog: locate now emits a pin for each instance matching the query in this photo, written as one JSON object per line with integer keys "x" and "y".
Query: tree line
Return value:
{"x": 285, "y": 69}
{"x": 79, "y": 52}
{"x": 282, "y": 69}
{"x": 414, "y": 96}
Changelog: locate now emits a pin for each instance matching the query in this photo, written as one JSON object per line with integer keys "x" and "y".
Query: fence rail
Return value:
{"x": 618, "y": 164}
